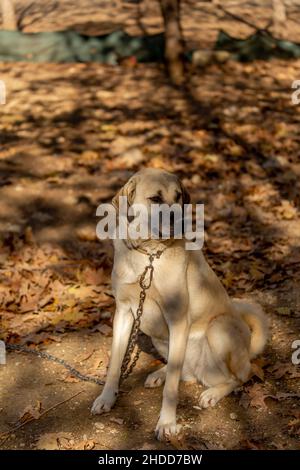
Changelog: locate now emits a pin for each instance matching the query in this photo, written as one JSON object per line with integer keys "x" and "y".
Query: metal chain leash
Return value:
{"x": 62, "y": 362}
{"x": 127, "y": 367}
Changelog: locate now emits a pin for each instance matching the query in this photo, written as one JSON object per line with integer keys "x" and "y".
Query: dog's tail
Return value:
{"x": 254, "y": 316}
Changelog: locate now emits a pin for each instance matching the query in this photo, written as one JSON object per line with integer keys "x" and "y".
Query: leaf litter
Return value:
{"x": 241, "y": 161}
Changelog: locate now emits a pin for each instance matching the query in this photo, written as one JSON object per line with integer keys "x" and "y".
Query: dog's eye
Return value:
{"x": 156, "y": 199}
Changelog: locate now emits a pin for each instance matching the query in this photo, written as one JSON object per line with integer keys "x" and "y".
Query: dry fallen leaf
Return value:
{"x": 257, "y": 370}
{"x": 67, "y": 378}
{"x": 254, "y": 396}
{"x": 286, "y": 210}
{"x": 249, "y": 444}
{"x": 31, "y": 412}
{"x": 94, "y": 276}
{"x": 87, "y": 444}
{"x": 53, "y": 441}
{"x": 280, "y": 369}
{"x": 29, "y": 303}
{"x": 258, "y": 396}
{"x": 294, "y": 426}
{"x": 178, "y": 442}
{"x": 63, "y": 441}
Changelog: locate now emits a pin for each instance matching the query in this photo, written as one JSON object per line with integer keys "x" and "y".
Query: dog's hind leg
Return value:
{"x": 156, "y": 378}
{"x": 227, "y": 359}
{"x": 212, "y": 395}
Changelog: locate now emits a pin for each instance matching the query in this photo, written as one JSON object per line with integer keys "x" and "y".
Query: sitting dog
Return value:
{"x": 203, "y": 334}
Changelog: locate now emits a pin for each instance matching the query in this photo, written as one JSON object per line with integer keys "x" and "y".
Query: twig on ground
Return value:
{"x": 6, "y": 435}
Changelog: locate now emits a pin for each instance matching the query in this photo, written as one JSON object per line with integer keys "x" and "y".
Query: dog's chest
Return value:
{"x": 162, "y": 295}
{"x": 152, "y": 319}
{"x": 130, "y": 269}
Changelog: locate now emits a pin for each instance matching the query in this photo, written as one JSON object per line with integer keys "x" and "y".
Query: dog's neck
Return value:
{"x": 147, "y": 246}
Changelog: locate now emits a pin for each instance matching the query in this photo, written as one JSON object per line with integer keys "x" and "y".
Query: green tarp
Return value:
{"x": 71, "y": 46}
{"x": 260, "y": 45}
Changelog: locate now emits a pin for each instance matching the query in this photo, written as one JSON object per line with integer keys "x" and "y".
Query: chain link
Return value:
{"x": 130, "y": 360}
{"x": 62, "y": 362}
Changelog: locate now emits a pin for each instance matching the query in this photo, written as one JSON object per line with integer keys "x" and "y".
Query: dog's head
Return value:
{"x": 151, "y": 187}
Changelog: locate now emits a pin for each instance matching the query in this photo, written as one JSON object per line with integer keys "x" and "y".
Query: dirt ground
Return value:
{"x": 71, "y": 135}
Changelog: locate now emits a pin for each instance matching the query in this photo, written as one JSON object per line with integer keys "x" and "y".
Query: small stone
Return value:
{"x": 99, "y": 426}
{"x": 200, "y": 58}
{"x": 233, "y": 416}
{"x": 117, "y": 420}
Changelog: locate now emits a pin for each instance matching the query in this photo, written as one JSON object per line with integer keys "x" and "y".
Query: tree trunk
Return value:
{"x": 174, "y": 44}
{"x": 8, "y": 15}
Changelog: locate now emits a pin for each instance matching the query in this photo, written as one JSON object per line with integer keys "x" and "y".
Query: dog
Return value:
{"x": 203, "y": 334}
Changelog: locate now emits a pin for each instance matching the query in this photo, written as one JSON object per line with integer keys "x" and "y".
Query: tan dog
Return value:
{"x": 202, "y": 333}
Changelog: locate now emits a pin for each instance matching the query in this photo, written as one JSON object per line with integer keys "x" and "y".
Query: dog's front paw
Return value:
{"x": 103, "y": 403}
{"x": 165, "y": 430}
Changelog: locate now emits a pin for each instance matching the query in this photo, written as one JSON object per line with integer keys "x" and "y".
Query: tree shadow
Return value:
{"x": 165, "y": 119}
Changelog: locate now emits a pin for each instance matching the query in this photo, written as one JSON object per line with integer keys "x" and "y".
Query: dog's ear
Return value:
{"x": 186, "y": 198}
{"x": 127, "y": 190}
